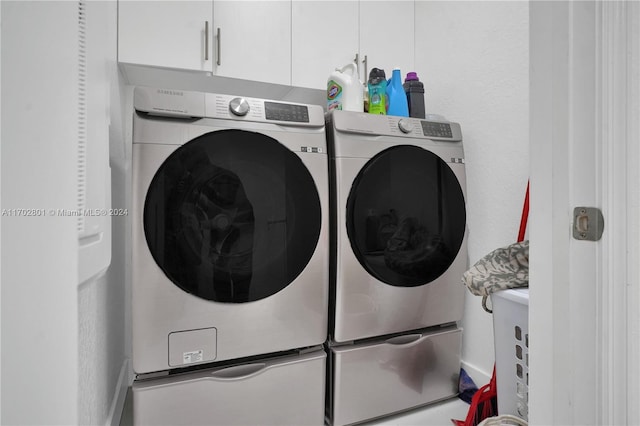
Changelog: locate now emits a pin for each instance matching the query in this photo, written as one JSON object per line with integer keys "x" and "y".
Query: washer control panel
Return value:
{"x": 437, "y": 129}
{"x": 440, "y": 130}
{"x": 421, "y": 128}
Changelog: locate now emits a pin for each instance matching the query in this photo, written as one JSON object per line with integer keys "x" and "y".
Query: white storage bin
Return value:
{"x": 511, "y": 337}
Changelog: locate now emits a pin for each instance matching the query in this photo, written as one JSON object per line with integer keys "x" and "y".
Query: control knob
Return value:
{"x": 405, "y": 126}
{"x": 239, "y": 106}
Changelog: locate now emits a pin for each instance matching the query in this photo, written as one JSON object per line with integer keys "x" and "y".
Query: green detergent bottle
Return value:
{"x": 377, "y": 86}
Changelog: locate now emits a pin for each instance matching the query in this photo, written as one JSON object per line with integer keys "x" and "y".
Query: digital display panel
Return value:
{"x": 436, "y": 130}
{"x": 286, "y": 112}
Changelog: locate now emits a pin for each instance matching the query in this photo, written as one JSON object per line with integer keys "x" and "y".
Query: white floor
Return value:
{"x": 431, "y": 415}
{"x": 439, "y": 414}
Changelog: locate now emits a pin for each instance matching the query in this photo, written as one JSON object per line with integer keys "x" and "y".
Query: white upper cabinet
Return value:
{"x": 253, "y": 40}
{"x": 325, "y": 37}
{"x": 240, "y": 39}
{"x": 329, "y": 34}
{"x": 297, "y": 42}
{"x": 173, "y": 34}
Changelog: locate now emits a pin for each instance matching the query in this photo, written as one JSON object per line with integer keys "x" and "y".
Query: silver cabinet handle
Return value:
{"x": 206, "y": 40}
{"x": 403, "y": 340}
{"x": 239, "y": 372}
{"x": 365, "y": 77}
{"x": 218, "y": 55}
{"x": 357, "y": 61}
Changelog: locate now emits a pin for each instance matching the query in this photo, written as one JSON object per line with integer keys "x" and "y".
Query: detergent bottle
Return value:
{"x": 415, "y": 95}
{"x": 377, "y": 92}
{"x": 344, "y": 90}
{"x": 397, "y": 97}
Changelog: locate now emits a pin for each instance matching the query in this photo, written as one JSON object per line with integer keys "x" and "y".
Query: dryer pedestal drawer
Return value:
{"x": 280, "y": 391}
{"x": 375, "y": 379}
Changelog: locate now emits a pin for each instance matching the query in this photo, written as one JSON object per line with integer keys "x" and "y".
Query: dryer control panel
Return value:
{"x": 186, "y": 104}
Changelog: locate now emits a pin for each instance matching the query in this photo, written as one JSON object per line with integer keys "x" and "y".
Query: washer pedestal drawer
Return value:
{"x": 385, "y": 376}
{"x": 287, "y": 390}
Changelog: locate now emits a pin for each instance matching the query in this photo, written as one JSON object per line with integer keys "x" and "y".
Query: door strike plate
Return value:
{"x": 588, "y": 223}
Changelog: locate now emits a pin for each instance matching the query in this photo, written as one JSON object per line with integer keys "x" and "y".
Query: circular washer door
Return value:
{"x": 406, "y": 216}
{"x": 232, "y": 216}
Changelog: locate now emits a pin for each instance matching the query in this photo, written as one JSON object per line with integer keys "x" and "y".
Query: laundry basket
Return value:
{"x": 503, "y": 420}
{"x": 511, "y": 338}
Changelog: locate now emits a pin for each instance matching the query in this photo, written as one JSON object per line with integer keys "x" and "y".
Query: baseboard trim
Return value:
{"x": 479, "y": 377}
{"x": 119, "y": 395}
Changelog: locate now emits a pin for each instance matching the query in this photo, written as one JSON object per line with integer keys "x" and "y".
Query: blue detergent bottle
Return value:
{"x": 397, "y": 97}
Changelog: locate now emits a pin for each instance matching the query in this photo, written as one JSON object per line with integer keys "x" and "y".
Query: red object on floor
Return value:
{"x": 485, "y": 401}
{"x": 483, "y": 404}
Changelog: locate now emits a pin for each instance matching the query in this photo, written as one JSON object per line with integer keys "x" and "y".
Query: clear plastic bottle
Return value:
{"x": 377, "y": 92}
{"x": 397, "y": 97}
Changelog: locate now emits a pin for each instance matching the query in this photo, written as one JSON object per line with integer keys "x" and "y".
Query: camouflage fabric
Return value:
{"x": 503, "y": 268}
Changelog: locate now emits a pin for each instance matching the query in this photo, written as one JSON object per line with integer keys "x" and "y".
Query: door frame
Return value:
{"x": 584, "y": 319}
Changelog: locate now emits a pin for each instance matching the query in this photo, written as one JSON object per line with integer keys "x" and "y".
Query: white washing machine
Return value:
{"x": 398, "y": 254}
{"x": 230, "y": 228}
{"x": 399, "y": 226}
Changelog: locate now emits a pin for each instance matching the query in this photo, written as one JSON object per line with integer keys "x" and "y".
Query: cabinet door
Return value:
{"x": 166, "y": 33}
{"x": 325, "y": 37}
{"x": 387, "y": 36}
{"x": 253, "y": 40}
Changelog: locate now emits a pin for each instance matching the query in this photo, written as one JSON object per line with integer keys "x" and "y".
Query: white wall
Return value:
{"x": 67, "y": 361}
{"x": 39, "y": 169}
{"x": 103, "y": 365}
{"x": 0, "y": 224}
{"x": 473, "y": 58}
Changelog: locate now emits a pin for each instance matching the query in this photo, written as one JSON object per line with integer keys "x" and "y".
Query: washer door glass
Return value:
{"x": 232, "y": 216}
{"x": 406, "y": 216}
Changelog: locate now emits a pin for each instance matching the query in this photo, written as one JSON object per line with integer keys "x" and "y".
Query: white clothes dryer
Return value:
{"x": 230, "y": 228}
{"x": 399, "y": 224}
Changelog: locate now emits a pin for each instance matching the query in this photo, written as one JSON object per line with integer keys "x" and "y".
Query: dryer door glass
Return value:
{"x": 232, "y": 216}
{"x": 406, "y": 216}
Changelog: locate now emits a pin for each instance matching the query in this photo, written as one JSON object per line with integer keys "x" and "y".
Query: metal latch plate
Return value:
{"x": 588, "y": 223}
